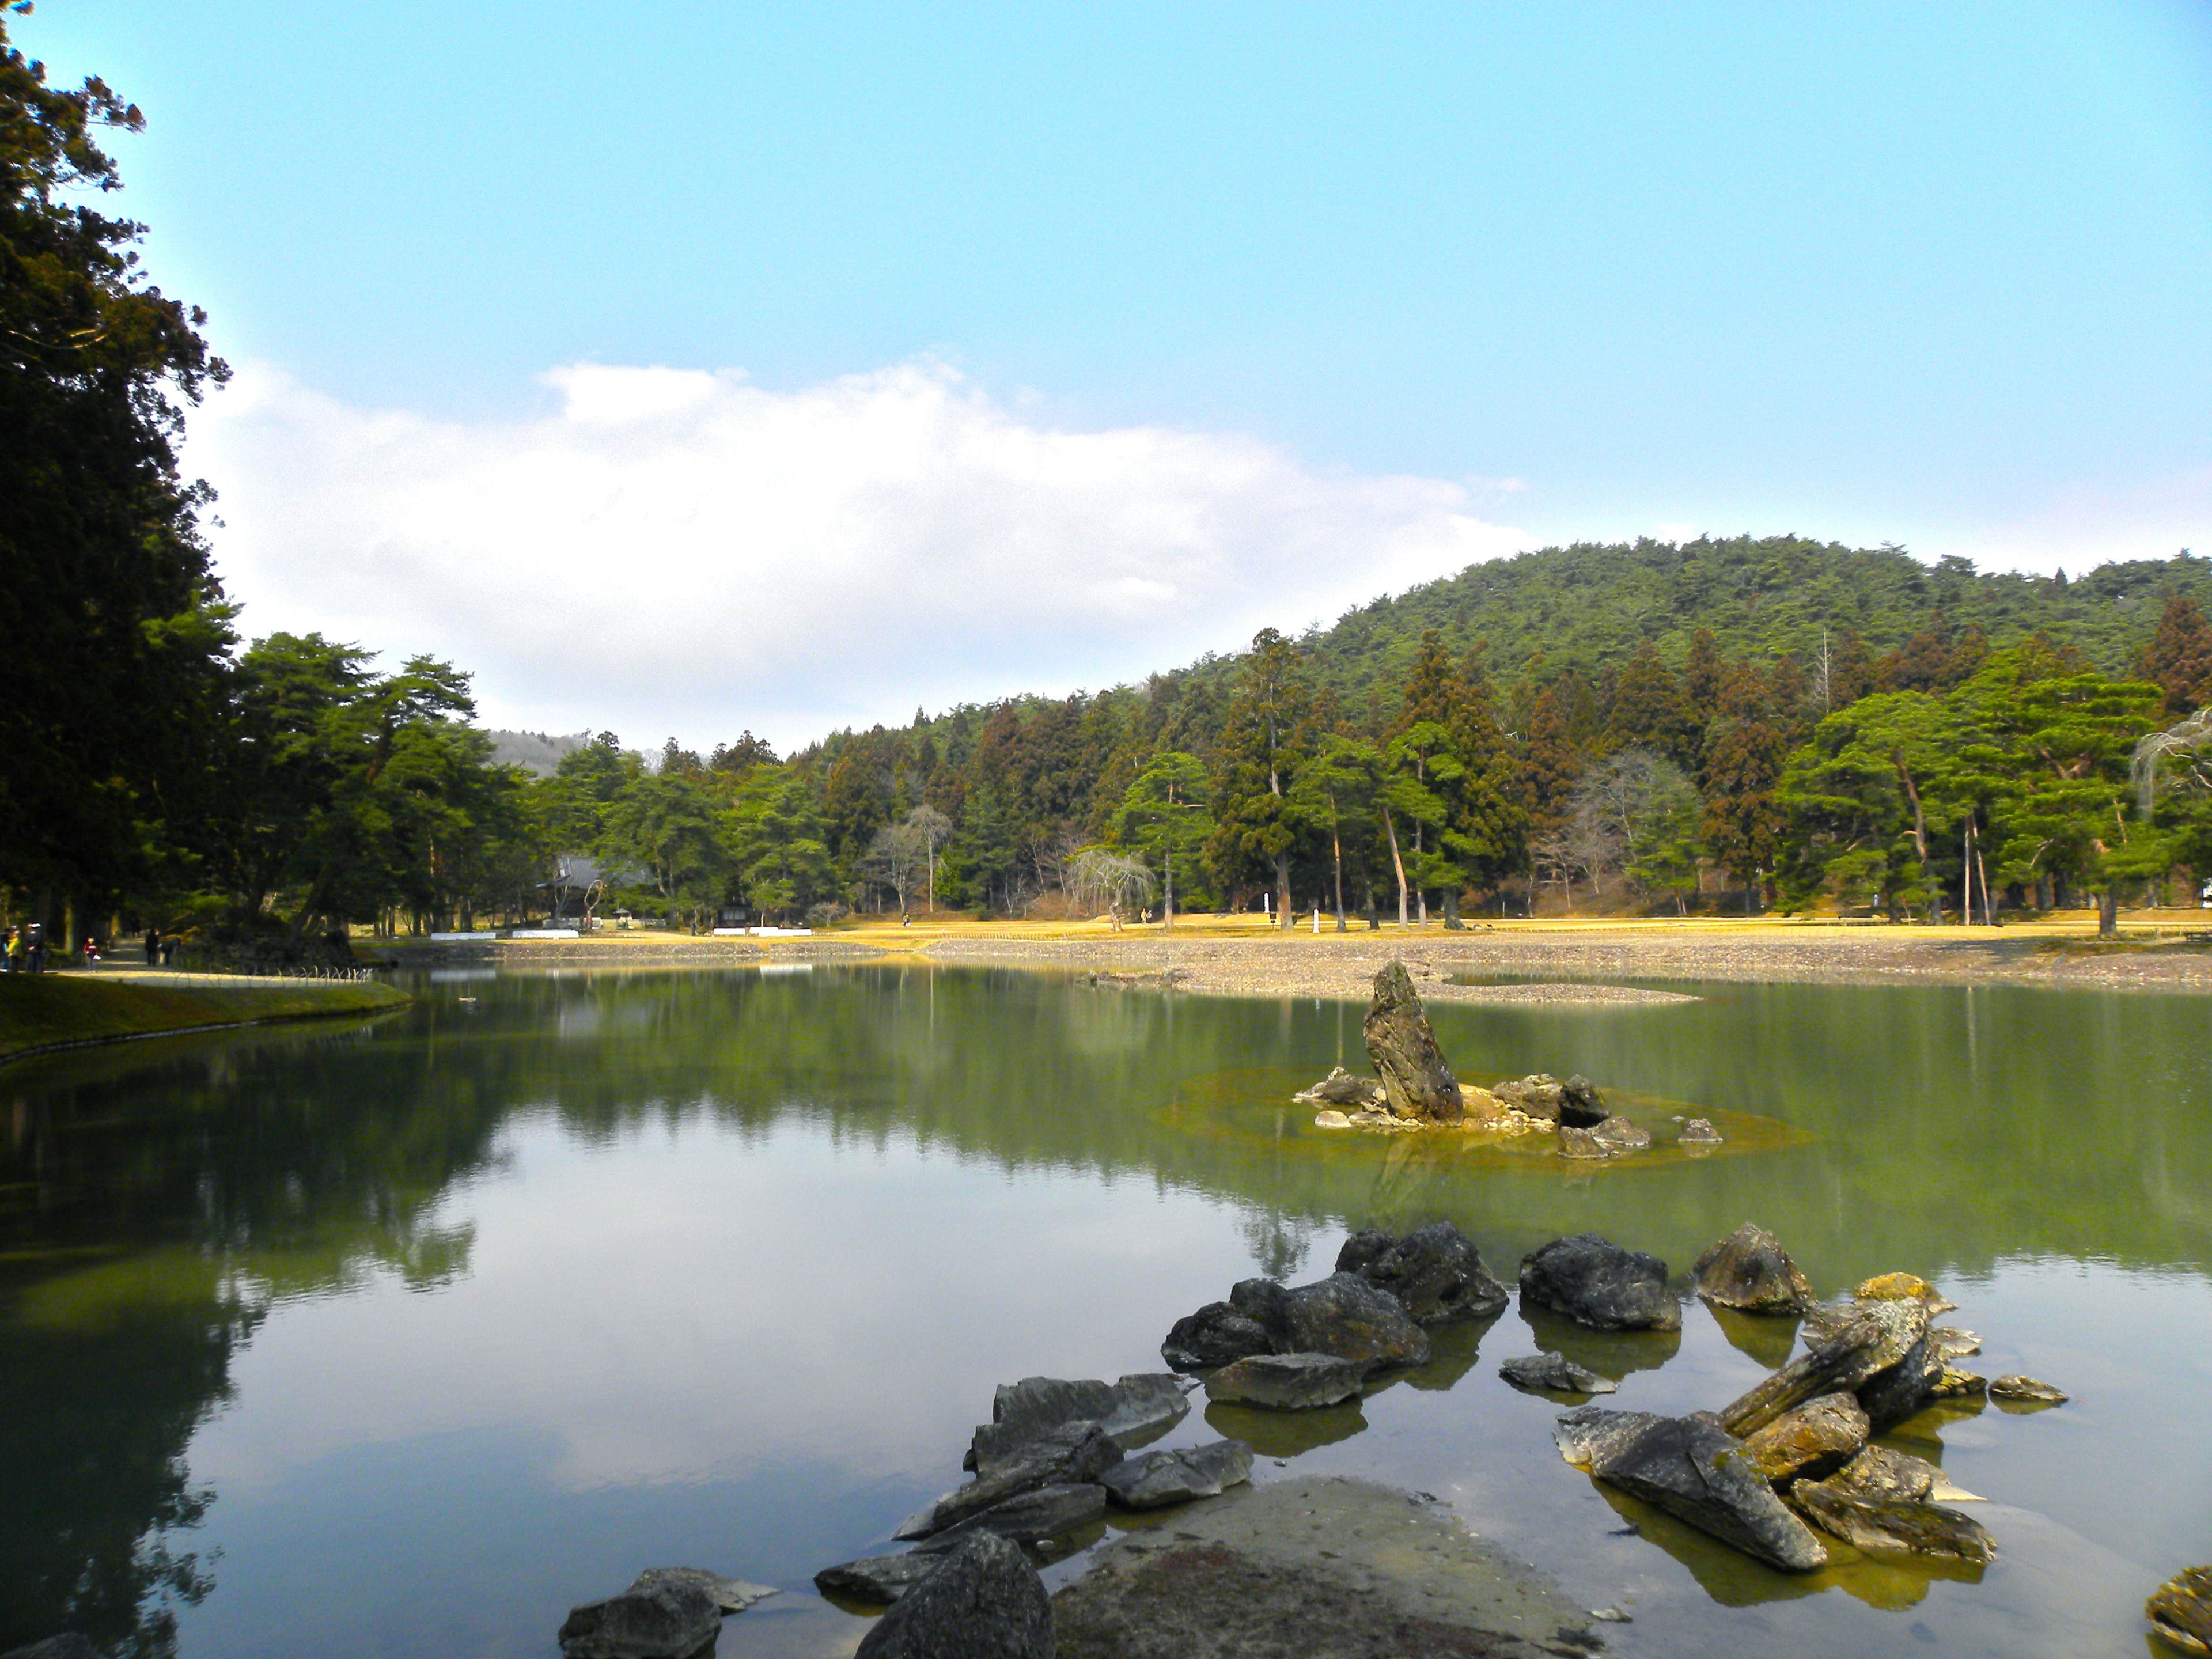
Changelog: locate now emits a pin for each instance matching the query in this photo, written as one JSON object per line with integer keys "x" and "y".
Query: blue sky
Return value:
{"x": 1933, "y": 275}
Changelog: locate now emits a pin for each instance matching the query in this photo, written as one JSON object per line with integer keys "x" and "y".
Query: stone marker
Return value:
{"x": 1435, "y": 1271}
{"x": 1403, "y": 1047}
{"x": 1751, "y": 1271}
{"x": 1696, "y": 1472}
{"x": 1287, "y": 1382}
{"x": 984, "y": 1601}
{"x": 1595, "y": 1282}
{"x": 1153, "y": 1481}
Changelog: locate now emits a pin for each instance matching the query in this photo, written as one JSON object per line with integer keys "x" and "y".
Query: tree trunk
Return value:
{"x": 1283, "y": 917}
{"x": 2108, "y": 913}
{"x": 1336, "y": 853}
{"x": 1399, "y": 863}
{"x": 1919, "y": 838}
{"x": 1167, "y": 862}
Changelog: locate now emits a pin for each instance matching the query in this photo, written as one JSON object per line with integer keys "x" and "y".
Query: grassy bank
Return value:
{"x": 44, "y": 1011}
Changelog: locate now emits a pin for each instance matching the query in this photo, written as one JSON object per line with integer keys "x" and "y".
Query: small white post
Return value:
{"x": 1316, "y": 918}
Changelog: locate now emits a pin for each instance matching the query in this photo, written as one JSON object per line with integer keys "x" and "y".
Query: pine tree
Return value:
{"x": 1268, "y": 728}
{"x": 1648, "y": 712}
{"x": 2179, "y": 659}
{"x": 1746, "y": 747}
{"x": 1702, "y": 677}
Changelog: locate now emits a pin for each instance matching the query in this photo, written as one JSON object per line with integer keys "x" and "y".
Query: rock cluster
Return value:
{"x": 667, "y": 1613}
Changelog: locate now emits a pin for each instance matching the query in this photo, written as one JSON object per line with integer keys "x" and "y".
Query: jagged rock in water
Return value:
{"x": 1952, "y": 1343}
{"x": 1871, "y": 1345}
{"x": 1342, "y": 1315}
{"x": 1595, "y": 1282}
{"x": 1689, "y": 1467}
{"x": 1538, "y": 1094}
{"x": 1893, "y": 1287}
{"x": 1698, "y": 1132}
{"x": 984, "y": 1601}
{"x": 1153, "y": 1481}
{"x": 1554, "y": 1373}
{"x": 1435, "y": 1271}
{"x": 1404, "y": 1051}
{"x": 2026, "y": 1390}
{"x": 1890, "y": 1525}
{"x": 1143, "y": 1403}
{"x": 1811, "y": 1440}
{"x": 1580, "y": 1106}
{"x": 1067, "y": 1454}
{"x": 1286, "y": 1382}
{"x": 2180, "y": 1610}
{"x": 1030, "y": 1518}
{"x": 673, "y": 1618}
{"x": 1582, "y": 1143}
{"x": 878, "y": 1580}
{"x": 1218, "y": 1334}
{"x": 1341, "y": 1088}
{"x": 1952, "y": 1383}
{"x": 1751, "y": 1271}
{"x": 1892, "y": 1394}
{"x": 1880, "y": 1472}
{"x": 1590, "y": 1432}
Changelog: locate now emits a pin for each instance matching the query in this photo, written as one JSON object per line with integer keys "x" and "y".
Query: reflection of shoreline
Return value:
{"x": 91, "y": 1011}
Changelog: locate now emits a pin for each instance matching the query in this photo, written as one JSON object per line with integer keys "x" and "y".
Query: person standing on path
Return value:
{"x": 153, "y": 947}
{"x": 15, "y": 949}
{"x": 91, "y": 951}
{"x": 34, "y": 947}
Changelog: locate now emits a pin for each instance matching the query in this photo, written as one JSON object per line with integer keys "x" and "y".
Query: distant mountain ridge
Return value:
{"x": 533, "y": 752}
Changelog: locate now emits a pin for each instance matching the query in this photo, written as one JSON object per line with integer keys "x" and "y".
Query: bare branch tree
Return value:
{"x": 1097, "y": 873}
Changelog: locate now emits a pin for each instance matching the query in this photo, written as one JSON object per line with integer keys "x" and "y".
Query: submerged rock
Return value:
{"x": 984, "y": 1601}
{"x": 674, "y": 1618}
{"x": 1143, "y": 1403}
{"x": 2180, "y": 1610}
{"x": 1153, "y": 1481}
{"x": 1893, "y": 1524}
{"x": 1595, "y": 1282}
{"x": 1342, "y": 1315}
{"x": 1218, "y": 1334}
{"x": 1811, "y": 1440}
{"x": 2027, "y": 1390}
{"x": 1068, "y": 1454}
{"x": 1555, "y": 1373}
{"x": 1698, "y": 1132}
{"x": 1588, "y": 1433}
{"x": 1751, "y": 1271}
{"x": 1403, "y": 1049}
{"x": 1696, "y": 1472}
{"x": 1435, "y": 1271}
{"x": 1286, "y": 1382}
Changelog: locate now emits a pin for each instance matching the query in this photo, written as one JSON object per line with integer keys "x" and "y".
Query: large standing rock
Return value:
{"x": 1891, "y": 1524}
{"x": 670, "y": 1619}
{"x": 1816, "y": 1439}
{"x": 1068, "y": 1454}
{"x": 1590, "y": 1433}
{"x": 985, "y": 1601}
{"x": 1342, "y": 1315}
{"x": 1153, "y": 1481}
{"x": 1218, "y": 1334}
{"x": 1415, "y": 1077}
{"x": 1286, "y": 1382}
{"x": 1435, "y": 1271}
{"x": 1595, "y": 1282}
{"x": 1693, "y": 1470}
{"x": 1749, "y": 1270}
{"x": 1129, "y": 1410}
{"x": 2181, "y": 1610}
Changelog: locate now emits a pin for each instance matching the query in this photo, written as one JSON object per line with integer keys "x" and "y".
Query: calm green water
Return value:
{"x": 402, "y": 1338}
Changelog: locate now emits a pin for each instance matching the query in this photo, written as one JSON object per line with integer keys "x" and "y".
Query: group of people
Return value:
{"x": 25, "y": 951}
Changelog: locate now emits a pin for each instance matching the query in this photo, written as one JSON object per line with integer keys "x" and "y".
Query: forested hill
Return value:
{"x": 1589, "y": 605}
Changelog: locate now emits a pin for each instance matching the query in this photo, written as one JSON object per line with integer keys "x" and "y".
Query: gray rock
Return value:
{"x": 1342, "y": 1315}
{"x": 1590, "y": 1432}
{"x": 1698, "y": 1132}
{"x": 1030, "y": 1518}
{"x": 68, "y": 1645}
{"x": 984, "y": 1601}
{"x": 878, "y": 1580}
{"x": 673, "y": 1620}
{"x": 1618, "y": 1133}
{"x": 1287, "y": 1382}
{"x": 1341, "y": 1088}
{"x": 1580, "y": 1143}
{"x": 2180, "y": 1610}
{"x": 1891, "y": 1525}
{"x": 1811, "y": 1440}
{"x": 1595, "y": 1282}
{"x": 1137, "y": 1405}
{"x": 1750, "y": 1271}
{"x": 1538, "y": 1094}
{"x": 1153, "y": 1481}
{"x": 2027, "y": 1390}
{"x": 1952, "y": 1343}
{"x": 1217, "y": 1334}
{"x": 730, "y": 1595}
{"x": 1067, "y": 1454}
{"x": 1689, "y": 1467}
{"x": 1435, "y": 1271}
{"x": 1403, "y": 1049}
{"x": 1555, "y": 1373}
{"x": 1580, "y": 1106}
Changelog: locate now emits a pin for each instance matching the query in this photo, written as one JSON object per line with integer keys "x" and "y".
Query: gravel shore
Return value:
{"x": 1589, "y": 966}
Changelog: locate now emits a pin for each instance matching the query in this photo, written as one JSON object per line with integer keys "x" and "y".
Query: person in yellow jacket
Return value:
{"x": 15, "y": 949}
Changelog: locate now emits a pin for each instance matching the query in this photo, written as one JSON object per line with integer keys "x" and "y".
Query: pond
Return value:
{"x": 401, "y": 1337}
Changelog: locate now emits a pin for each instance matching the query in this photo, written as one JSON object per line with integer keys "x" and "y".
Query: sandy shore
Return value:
{"x": 1599, "y": 965}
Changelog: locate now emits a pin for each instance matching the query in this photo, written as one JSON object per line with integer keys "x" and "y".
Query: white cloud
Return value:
{"x": 678, "y": 552}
